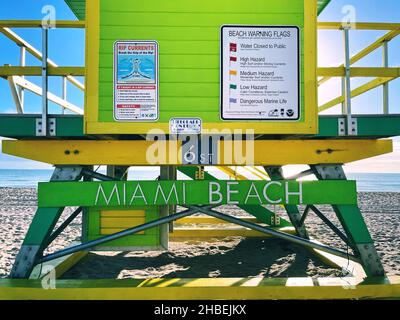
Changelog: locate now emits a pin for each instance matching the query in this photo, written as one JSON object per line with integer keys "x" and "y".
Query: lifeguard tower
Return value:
{"x": 184, "y": 87}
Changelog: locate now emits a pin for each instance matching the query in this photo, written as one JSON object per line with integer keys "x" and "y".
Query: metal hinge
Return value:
{"x": 51, "y": 127}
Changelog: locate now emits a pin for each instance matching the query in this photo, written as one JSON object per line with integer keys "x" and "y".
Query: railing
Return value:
{"x": 16, "y": 75}
{"x": 382, "y": 75}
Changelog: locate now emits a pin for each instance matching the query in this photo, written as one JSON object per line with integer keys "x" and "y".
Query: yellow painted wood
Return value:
{"x": 359, "y": 26}
{"x": 113, "y": 152}
{"x": 121, "y": 223}
{"x": 38, "y": 24}
{"x": 112, "y": 221}
{"x": 36, "y": 53}
{"x": 7, "y": 71}
{"x": 204, "y": 289}
{"x": 92, "y": 63}
{"x": 210, "y": 220}
{"x": 356, "y": 92}
{"x": 107, "y": 231}
{"x": 209, "y": 233}
{"x": 95, "y": 127}
{"x": 122, "y": 213}
{"x": 232, "y": 173}
{"x": 360, "y": 72}
{"x": 366, "y": 51}
{"x": 310, "y": 63}
{"x": 68, "y": 263}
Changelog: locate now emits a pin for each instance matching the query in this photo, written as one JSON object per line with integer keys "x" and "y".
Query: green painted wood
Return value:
{"x": 143, "y": 193}
{"x": 21, "y": 126}
{"x": 353, "y": 223}
{"x": 322, "y": 4}
{"x": 42, "y": 225}
{"x": 189, "y": 41}
{"x": 258, "y": 211}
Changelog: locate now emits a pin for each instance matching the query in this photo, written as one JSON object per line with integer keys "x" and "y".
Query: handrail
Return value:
{"x": 358, "y": 26}
{"x": 364, "y": 72}
{"x": 36, "y": 53}
{"x": 6, "y": 71}
{"x": 366, "y": 51}
{"x": 382, "y": 75}
{"x": 15, "y": 75}
{"x": 39, "y": 24}
{"x": 356, "y": 92}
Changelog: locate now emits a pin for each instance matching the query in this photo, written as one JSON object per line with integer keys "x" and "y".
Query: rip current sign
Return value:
{"x": 260, "y": 73}
{"x": 136, "y": 81}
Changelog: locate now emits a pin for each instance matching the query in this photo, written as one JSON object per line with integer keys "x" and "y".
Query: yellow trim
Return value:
{"x": 92, "y": 61}
{"x": 122, "y": 213}
{"x": 38, "y": 24}
{"x": 6, "y": 71}
{"x": 68, "y": 263}
{"x": 360, "y": 72}
{"x": 121, "y": 223}
{"x": 204, "y": 289}
{"x": 359, "y": 26}
{"x": 205, "y": 234}
{"x": 310, "y": 65}
{"x": 125, "y": 152}
{"x": 210, "y": 220}
{"x": 309, "y": 126}
{"x": 356, "y": 92}
{"x": 94, "y": 127}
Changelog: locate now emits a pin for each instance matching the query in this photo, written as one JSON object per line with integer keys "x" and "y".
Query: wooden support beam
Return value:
{"x": 38, "y": 24}
{"x": 7, "y": 71}
{"x": 204, "y": 289}
{"x": 114, "y": 152}
{"x": 359, "y": 72}
{"x": 359, "y": 26}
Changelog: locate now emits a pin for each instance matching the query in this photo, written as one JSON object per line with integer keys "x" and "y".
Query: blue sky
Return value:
{"x": 66, "y": 48}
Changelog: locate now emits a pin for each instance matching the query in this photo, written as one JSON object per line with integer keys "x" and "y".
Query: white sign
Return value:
{"x": 185, "y": 125}
{"x": 260, "y": 73}
{"x": 136, "y": 81}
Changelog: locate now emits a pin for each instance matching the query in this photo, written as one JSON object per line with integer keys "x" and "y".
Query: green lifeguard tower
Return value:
{"x": 185, "y": 86}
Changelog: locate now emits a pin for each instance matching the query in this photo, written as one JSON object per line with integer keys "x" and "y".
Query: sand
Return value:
{"x": 229, "y": 257}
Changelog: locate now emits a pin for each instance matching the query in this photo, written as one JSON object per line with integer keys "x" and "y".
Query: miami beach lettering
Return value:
{"x": 206, "y": 192}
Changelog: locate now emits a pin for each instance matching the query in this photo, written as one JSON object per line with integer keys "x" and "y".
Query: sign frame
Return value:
{"x": 300, "y": 104}
{"x": 156, "y": 73}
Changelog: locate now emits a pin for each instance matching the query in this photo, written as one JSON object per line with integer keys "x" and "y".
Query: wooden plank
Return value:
{"x": 204, "y": 289}
{"x": 359, "y": 26}
{"x": 122, "y": 213}
{"x": 121, "y": 223}
{"x": 39, "y": 23}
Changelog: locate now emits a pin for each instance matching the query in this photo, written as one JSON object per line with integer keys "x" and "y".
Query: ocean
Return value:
{"x": 366, "y": 182}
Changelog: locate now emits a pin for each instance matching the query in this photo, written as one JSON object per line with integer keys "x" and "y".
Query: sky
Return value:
{"x": 66, "y": 48}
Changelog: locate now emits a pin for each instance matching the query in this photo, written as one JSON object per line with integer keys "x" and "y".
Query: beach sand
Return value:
{"x": 229, "y": 257}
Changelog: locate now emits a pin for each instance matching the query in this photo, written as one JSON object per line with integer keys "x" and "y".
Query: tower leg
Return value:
{"x": 275, "y": 173}
{"x": 41, "y": 228}
{"x": 353, "y": 223}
